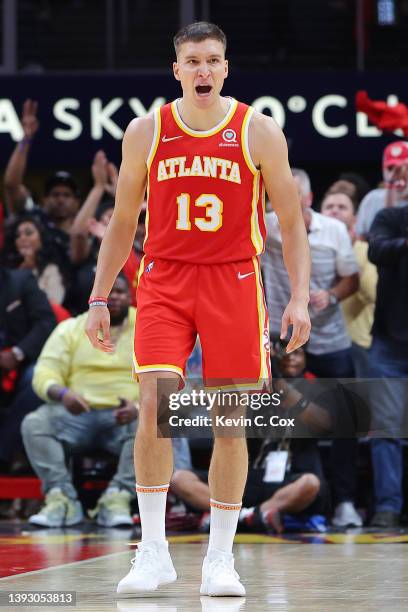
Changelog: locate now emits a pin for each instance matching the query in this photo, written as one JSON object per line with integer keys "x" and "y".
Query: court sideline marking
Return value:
{"x": 83, "y": 561}
{"x": 63, "y": 565}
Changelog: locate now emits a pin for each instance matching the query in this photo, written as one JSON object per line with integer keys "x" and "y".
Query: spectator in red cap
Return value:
{"x": 394, "y": 192}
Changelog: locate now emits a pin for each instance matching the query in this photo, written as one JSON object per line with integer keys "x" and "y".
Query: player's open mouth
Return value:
{"x": 203, "y": 90}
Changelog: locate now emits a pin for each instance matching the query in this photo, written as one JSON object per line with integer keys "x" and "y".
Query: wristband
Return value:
{"x": 97, "y": 298}
{"x": 97, "y": 301}
{"x": 62, "y": 393}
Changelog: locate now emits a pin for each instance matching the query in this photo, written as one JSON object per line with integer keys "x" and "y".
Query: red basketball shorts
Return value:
{"x": 223, "y": 303}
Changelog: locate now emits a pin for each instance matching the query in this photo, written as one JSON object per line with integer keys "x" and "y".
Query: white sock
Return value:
{"x": 223, "y": 525}
{"x": 152, "y": 511}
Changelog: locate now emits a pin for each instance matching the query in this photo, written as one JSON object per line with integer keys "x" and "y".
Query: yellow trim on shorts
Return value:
{"x": 156, "y": 367}
{"x": 264, "y": 373}
{"x": 255, "y": 386}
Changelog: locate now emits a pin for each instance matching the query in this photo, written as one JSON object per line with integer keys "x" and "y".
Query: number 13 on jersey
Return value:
{"x": 212, "y": 220}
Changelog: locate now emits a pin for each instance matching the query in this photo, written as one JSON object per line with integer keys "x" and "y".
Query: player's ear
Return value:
{"x": 176, "y": 71}
{"x": 226, "y": 68}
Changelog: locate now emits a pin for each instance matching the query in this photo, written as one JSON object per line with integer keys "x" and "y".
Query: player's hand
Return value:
{"x": 75, "y": 403}
{"x": 319, "y": 299}
{"x": 29, "y": 120}
{"x": 297, "y": 315}
{"x": 97, "y": 329}
{"x": 126, "y": 412}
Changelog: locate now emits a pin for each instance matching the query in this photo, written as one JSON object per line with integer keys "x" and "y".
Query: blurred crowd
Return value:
{"x": 60, "y": 399}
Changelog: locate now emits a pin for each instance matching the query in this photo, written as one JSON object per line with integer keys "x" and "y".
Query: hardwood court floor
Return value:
{"x": 279, "y": 575}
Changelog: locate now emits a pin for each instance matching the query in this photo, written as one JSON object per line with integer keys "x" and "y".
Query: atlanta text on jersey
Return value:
{"x": 214, "y": 167}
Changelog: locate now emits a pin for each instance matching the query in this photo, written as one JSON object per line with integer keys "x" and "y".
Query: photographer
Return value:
{"x": 288, "y": 483}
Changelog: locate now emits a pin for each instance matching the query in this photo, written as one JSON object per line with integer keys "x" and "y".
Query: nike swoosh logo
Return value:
{"x": 241, "y": 276}
{"x": 165, "y": 139}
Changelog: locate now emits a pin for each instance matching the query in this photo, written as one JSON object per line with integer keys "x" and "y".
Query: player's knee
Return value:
{"x": 310, "y": 484}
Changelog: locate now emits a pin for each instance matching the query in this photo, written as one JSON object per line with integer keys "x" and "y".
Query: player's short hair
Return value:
{"x": 304, "y": 180}
{"x": 197, "y": 32}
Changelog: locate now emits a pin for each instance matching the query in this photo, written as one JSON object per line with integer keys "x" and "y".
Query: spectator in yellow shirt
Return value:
{"x": 91, "y": 402}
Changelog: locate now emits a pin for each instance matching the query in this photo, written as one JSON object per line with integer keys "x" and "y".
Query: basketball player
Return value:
{"x": 206, "y": 160}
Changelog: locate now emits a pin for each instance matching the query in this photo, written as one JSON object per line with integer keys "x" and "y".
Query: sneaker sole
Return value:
{"x": 350, "y": 524}
{"x": 73, "y": 522}
{"x": 123, "y": 522}
{"x": 167, "y": 579}
{"x": 221, "y": 605}
{"x": 219, "y": 592}
{"x": 44, "y": 523}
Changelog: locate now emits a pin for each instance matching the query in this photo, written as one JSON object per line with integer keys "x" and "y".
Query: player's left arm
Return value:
{"x": 270, "y": 153}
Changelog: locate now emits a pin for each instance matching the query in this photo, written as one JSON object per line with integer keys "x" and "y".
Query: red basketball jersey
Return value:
{"x": 206, "y": 199}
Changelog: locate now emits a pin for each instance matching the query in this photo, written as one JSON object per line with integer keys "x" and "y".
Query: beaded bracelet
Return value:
{"x": 97, "y": 301}
{"x": 98, "y": 298}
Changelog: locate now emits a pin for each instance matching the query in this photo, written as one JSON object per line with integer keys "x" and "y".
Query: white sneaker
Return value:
{"x": 151, "y": 567}
{"x": 345, "y": 515}
{"x": 219, "y": 577}
{"x": 113, "y": 509}
{"x": 58, "y": 511}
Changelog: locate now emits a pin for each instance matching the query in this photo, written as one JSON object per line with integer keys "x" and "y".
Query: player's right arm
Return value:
{"x": 120, "y": 233}
{"x": 269, "y": 152}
